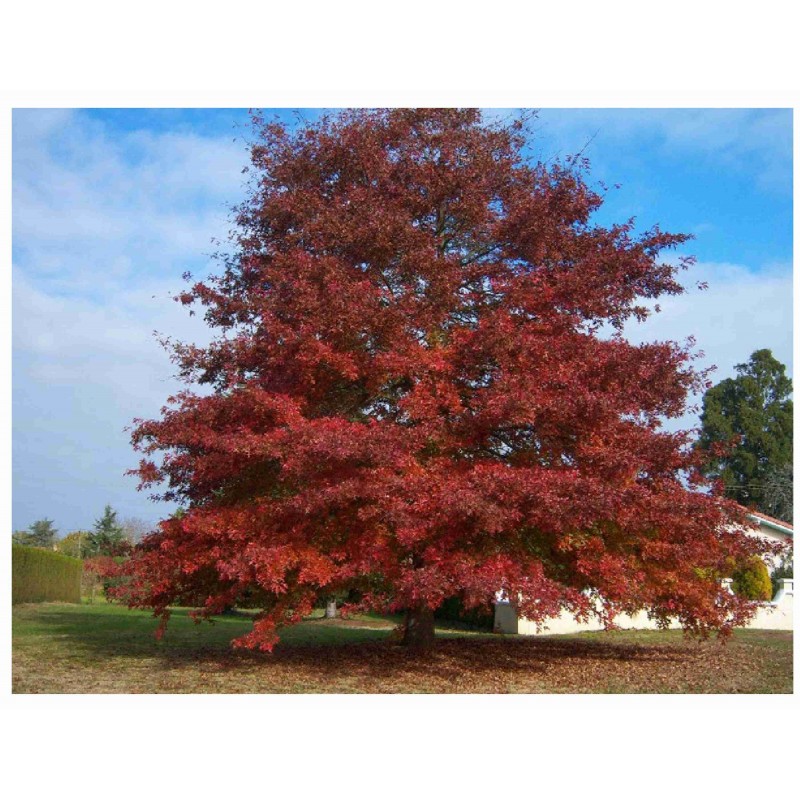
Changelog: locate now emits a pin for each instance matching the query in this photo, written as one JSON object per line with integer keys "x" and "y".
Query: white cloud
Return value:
{"x": 754, "y": 141}
{"x": 103, "y": 227}
{"x": 83, "y": 369}
{"x": 83, "y": 198}
{"x": 741, "y": 311}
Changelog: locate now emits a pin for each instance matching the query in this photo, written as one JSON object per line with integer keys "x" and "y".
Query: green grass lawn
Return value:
{"x": 108, "y": 648}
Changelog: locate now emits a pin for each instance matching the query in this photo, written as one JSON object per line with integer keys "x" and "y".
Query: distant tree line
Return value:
{"x": 108, "y": 537}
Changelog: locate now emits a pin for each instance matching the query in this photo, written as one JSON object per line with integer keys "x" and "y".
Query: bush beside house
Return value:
{"x": 752, "y": 581}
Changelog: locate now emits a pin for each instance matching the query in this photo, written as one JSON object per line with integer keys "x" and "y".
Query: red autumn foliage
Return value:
{"x": 414, "y": 396}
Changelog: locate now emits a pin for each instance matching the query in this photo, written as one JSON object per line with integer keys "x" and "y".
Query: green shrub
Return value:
{"x": 752, "y": 580}
{"x": 40, "y": 575}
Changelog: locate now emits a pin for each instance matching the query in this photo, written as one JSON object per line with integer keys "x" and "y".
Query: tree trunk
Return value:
{"x": 418, "y": 633}
{"x": 330, "y": 609}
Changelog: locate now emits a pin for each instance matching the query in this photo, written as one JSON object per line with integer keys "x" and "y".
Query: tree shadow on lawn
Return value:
{"x": 116, "y": 631}
{"x": 338, "y": 650}
{"x": 477, "y": 660}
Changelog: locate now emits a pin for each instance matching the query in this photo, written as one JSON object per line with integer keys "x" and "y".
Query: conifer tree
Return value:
{"x": 107, "y": 537}
{"x": 41, "y": 533}
{"x": 755, "y": 411}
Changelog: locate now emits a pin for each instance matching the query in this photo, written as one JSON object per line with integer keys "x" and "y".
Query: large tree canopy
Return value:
{"x": 752, "y": 411}
{"x": 412, "y": 399}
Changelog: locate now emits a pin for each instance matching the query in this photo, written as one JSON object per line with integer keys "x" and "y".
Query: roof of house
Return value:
{"x": 772, "y": 522}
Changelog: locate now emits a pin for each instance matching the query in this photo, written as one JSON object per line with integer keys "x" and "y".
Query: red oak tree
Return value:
{"x": 415, "y": 395}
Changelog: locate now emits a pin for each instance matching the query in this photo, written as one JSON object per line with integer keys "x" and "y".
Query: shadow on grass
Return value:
{"x": 111, "y": 630}
{"x": 340, "y": 649}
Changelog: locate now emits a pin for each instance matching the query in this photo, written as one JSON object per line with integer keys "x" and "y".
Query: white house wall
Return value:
{"x": 775, "y": 615}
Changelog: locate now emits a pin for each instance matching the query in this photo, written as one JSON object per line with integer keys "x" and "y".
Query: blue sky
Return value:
{"x": 111, "y": 206}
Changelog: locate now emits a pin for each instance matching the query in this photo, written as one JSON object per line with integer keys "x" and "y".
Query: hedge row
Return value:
{"x": 39, "y": 575}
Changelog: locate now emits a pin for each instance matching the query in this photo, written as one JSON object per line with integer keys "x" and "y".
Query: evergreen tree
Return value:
{"x": 40, "y": 534}
{"x": 108, "y": 536}
{"x": 754, "y": 407}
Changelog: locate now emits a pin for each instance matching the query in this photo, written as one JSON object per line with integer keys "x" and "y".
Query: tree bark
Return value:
{"x": 418, "y": 633}
{"x": 330, "y": 609}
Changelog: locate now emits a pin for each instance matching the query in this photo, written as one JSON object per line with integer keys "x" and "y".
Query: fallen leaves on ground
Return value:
{"x": 752, "y": 662}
